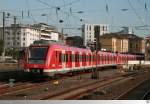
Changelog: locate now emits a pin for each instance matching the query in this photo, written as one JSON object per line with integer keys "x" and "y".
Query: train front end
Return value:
{"x": 36, "y": 59}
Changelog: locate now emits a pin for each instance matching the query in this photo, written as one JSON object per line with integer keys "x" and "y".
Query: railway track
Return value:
{"x": 77, "y": 92}
{"x": 139, "y": 91}
{"x": 146, "y": 96}
{"x": 21, "y": 88}
{"x": 47, "y": 90}
{"x": 81, "y": 91}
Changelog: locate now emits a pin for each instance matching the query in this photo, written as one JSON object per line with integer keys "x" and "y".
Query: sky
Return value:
{"x": 71, "y": 14}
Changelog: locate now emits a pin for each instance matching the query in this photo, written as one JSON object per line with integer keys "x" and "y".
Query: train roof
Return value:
{"x": 57, "y": 45}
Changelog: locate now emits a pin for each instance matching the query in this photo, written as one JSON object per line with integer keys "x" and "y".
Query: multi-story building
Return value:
{"x": 122, "y": 43}
{"x": 114, "y": 43}
{"x": 88, "y": 32}
{"x": 20, "y": 36}
{"x": 136, "y": 45}
{"x": 147, "y": 48}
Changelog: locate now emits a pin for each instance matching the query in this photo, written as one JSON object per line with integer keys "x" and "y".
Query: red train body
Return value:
{"x": 53, "y": 58}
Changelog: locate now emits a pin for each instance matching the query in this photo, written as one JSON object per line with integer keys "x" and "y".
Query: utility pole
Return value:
{"x": 14, "y": 33}
{"x": 3, "y": 37}
{"x": 95, "y": 74}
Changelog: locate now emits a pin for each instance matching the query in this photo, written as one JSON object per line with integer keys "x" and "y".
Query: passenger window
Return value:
{"x": 73, "y": 58}
{"x": 66, "y": 57}
{"x": 63, "y": 57}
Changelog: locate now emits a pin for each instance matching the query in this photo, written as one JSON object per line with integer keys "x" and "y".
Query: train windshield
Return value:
{"x": 37, "y": 55}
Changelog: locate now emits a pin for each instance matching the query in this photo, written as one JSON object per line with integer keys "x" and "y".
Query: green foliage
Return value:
{"x": 13, "y": 53}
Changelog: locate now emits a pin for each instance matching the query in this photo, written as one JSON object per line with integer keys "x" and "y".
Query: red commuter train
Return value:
{"x": 54, "y": 58}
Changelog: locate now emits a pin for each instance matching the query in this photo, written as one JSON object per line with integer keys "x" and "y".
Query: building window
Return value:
{"x": 8, "y": 33}
{"x": 87, "y": 27}
{"x": 23, "y": 44}
{"x": 19, "y": 33}
{"x": 24, "y": 39}
{"x": 90, "y": 28}
{"x": 106, "y": 28}
{"x": 103, "y": 28}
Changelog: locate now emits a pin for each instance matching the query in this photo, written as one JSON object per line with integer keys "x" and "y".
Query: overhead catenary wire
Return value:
{"x": 138, "y": 16}
{"x": 58, "y": 10}
{"x": 29, "y": 13}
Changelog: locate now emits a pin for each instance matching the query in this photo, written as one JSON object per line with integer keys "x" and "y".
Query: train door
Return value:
{"x": 105, "y": 62}
{"x": 108, "y": 58}
{"x": 90, "y": 59}
{"x": 58, "y": 59}
{"x": 63, "y": 59}
{"x": 117, "y": 58}
{"x": 73, "y": 59}
{"x": 113, "y": 58}
{"x": 68, "y": 59}
{"x": 76, "y": 59}
{"x": 83, "y": 59}
{"x": 100, "y": 58}
{"x": 103, "y": 58}
{"x": 87, "y": 59}
{"x": 94, "y": 59}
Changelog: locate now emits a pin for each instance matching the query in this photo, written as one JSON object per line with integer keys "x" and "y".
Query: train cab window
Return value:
{"x": 37, "y": 53}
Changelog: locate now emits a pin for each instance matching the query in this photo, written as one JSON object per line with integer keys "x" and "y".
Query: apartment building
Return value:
{"x": 88, "y": 32}
{"x": 20, "y": 36}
